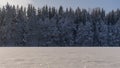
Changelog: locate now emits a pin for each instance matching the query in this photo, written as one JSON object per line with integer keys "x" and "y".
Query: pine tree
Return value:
{"x": 48, "y": 26}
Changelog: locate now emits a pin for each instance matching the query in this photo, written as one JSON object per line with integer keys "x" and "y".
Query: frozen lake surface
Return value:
{"x": 57, "y": 57}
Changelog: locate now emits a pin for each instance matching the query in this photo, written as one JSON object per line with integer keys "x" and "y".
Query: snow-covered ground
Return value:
{"x": 59, "y": 57}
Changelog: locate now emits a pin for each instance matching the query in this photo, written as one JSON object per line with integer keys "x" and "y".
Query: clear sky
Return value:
{"x": 106, "y": 4}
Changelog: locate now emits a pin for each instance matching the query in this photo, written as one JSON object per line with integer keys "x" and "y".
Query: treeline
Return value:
{"x": 48, "y": 26}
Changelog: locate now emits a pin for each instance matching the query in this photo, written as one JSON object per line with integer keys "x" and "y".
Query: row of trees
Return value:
{"x": 48, "y": 26}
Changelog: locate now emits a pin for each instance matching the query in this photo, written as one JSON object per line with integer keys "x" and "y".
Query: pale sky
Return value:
{"x": 108, "y": 5}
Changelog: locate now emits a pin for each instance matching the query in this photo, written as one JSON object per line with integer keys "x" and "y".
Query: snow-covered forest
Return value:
{"x": 48, "y": 26}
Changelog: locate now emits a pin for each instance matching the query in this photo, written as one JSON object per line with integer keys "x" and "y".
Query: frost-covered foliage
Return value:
{"x": 48, "y": 26}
